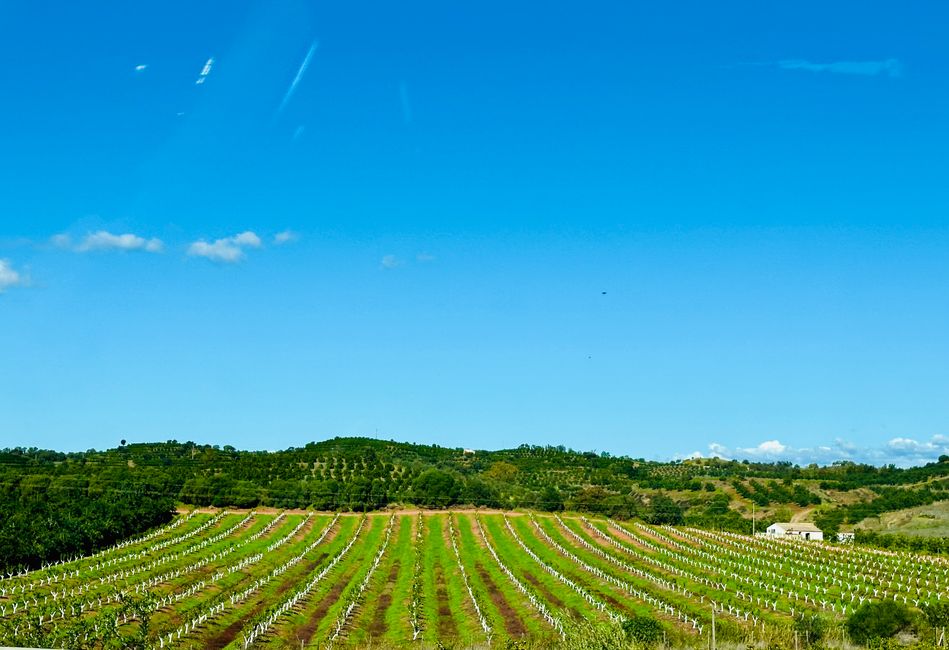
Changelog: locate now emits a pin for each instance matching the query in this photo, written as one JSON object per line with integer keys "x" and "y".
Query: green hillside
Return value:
{"x": 56, "y": 504}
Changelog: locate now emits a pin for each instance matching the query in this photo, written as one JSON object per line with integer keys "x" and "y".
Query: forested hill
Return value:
{"x": 54, "y": 504}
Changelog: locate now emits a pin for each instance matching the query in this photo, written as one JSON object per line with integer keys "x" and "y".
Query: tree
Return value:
{"x": 479, "y": 493}
{"x": 879, "y": 620}
{"x": 590, "y": 499}
{"x": 501, "y": 471}
{"x": 550, "y": 500}
{"x": 663, "y": 510}
{"x": 435, "y": 489}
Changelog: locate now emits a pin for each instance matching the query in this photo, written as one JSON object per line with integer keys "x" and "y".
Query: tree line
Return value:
{"x": 55, "y": 504}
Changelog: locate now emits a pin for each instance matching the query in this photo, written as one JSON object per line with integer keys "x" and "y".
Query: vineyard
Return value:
{"x": 462, "y": 579}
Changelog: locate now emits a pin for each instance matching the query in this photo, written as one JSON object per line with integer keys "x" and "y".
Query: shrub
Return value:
{"x": 810, "y": 629}
{"x": 878, "y": 621}
{"x": 643, "y": 630}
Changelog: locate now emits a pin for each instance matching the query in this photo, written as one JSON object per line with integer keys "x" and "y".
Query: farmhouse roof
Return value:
{"x": 800, "y": 527}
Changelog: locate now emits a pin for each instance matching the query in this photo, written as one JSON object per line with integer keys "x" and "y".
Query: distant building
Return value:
{"x": 799, "y": 530}
{"x": 469, "y": 451}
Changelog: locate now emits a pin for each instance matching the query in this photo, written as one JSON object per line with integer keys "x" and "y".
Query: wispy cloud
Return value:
{"x": 390, "y": 262}
{"x": 227, "y": 249}
{"x": 899, "y": 451}
{"x": 141, "y": 67}
{"x": 286, "y": 237}
{"x": 61, "y": 240}
{"x": 296, "y": 80}
{"x": 889, "y": 67}
{"x": 106, "y": 241}
{"x": 205, "y": 71}
{"x": 424, "y": 257}
{"x": 10, "y": 277}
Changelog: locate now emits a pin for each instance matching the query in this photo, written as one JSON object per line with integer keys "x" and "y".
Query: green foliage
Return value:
{"x": 897, "y": 542}
{"x": 888, "y": 499}
{"x": 74, "y": 515}
{"x": 643, "y": 630}
{"x": 588, "y": 635}
{"x": 550, "y": 500}
{"x": 937, "y": 614}
{"x": 435, "y": 489}
{"x": 53, "y": 505}
{"x": 810, "y": 628}
{"x": 782, "y": 514}
{"x": 663, "y": 510}
{"x": 878, "y": 620}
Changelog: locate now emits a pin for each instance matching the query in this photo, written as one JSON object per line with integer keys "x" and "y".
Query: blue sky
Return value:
{"x": 647, "y": 229}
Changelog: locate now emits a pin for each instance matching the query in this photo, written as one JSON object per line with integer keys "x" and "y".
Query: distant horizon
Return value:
{"x": 919, "y": 463}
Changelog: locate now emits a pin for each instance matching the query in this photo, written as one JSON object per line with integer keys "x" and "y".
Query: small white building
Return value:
{"x": 798, "y": 530}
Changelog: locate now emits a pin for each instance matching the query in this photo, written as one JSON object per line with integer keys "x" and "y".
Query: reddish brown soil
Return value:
{"x": 544, "y": 591}
{"x": 512, "y": 622}
{"x": 378, "y": 627}
{"x": 446, "y": 622}
{"x": 327, "y": 601}
{"x": 626, "y": 538}
{"x": 228, "y": 634}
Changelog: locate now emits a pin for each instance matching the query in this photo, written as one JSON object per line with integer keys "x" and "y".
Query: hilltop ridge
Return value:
{"x": 98, "y": 497}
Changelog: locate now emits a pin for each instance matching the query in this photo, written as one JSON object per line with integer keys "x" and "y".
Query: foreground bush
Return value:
{"x": 881, "y": 620}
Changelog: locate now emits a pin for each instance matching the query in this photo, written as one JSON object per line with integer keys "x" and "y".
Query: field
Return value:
{"x": 922, "y": 521}
{"x": 442, "y": 579}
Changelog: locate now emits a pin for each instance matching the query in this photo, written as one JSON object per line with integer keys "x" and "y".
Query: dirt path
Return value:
{"x": 803, "y": 515}
{"x": 307, "y": 631}
{"x": 378, "y": 627}
{"x": 512, "y": 622}
{"x": 446, "y": 622}
{"x": 549, "y": 595}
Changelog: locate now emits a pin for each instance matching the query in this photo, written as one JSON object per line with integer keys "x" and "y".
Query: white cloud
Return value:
{"x": 890, "y": 67}
{"x": 61, "y": 241}
{"x": 247, "y": 238}
{"x": 141, "y": 67}
{"x": 227, "y": 249}
{"x": 285, "y": 237}
{"x": 390, "y": 262}
{"x": 899, "y": 451}
{"x": 424, "y": 257}
{"x": 766, "y": 448}
{"x": 914, "y": 450}
{"x": 9, "y": 277}
{"x": 205, "y": 71}
{"x": 719, "y": 451}
{"x": 104, "y": 241}
{"x": 296, "y": 79}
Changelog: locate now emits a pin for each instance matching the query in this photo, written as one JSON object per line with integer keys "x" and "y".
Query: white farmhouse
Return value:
{"x": 799, "y": 530}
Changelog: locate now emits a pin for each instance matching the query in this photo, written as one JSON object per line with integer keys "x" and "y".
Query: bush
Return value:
{"x": 810, "y": 629}
{"x": 881, "y": 620}
{"x": 643, "y": 630}
{"x": 588, "y": 635}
